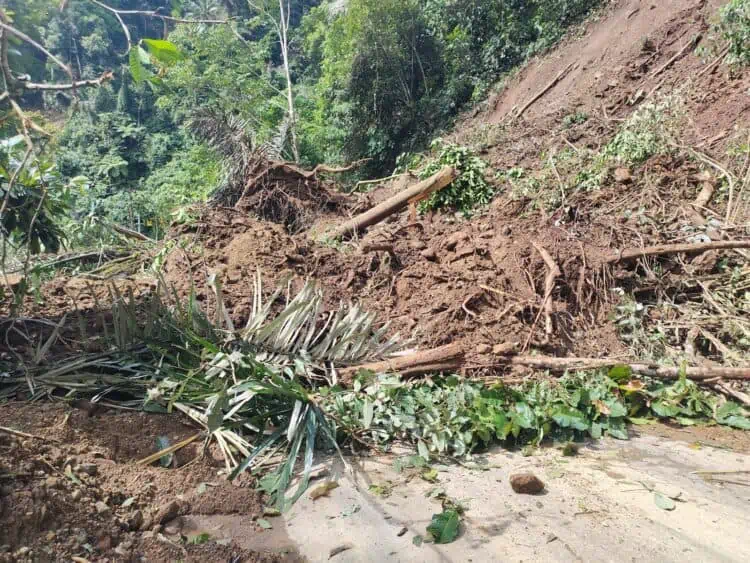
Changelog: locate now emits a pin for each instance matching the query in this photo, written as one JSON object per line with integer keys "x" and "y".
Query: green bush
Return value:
{"x": 647, "y": 132}
{"x": 735, "y": 27}
{"x": 470, "y": 190}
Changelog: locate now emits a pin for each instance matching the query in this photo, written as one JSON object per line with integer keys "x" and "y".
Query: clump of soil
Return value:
{"x": 76, "y": 490}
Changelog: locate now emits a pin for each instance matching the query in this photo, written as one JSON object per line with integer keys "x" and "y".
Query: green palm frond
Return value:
{"x": 252, "y": 390}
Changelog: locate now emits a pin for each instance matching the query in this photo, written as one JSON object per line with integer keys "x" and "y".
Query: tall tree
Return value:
{"x": 279, "y": 17}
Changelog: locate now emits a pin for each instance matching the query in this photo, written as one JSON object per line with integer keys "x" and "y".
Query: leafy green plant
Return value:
{"x": 444, "y": 527}
{"x": 577, "y": 118}
{"x": 734, "y": 26}
{"x": 36, "y": 202}
{"x": 454, "y": 417}
{"x": 469, "y": 191}
{"x": 647, "y": 132}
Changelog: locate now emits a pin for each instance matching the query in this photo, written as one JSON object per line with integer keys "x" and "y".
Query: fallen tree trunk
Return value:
{"x": 665, "y": 249}
{"x": 130, "y": 233}
{"x": 452, "y": 357}
{"x": 410, "y": 195}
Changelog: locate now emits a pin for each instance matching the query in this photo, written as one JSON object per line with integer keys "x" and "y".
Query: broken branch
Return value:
{"x": 689, "y": 46}
{"x": 549, "y": 285}
{"x": 452, "y": 357}
{"x": 665, "y": 249}
{"x": 546, "y": 89}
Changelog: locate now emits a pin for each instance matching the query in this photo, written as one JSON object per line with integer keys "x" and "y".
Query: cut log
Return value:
{"x": 665, "y": 249}
{"x": 444, "y": 358}
{"x": 415, "y": 193}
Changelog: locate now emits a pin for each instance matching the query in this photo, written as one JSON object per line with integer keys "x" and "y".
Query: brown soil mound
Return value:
{"x": 76, "y": 490}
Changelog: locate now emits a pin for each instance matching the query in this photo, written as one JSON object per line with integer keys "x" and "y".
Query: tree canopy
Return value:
{"x": 106, "y": 91}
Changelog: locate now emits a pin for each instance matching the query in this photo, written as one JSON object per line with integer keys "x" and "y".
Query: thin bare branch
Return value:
{"x": 153, "y": 14}
{"x": 21, "y": 35}
{"x": 72, "y": 86}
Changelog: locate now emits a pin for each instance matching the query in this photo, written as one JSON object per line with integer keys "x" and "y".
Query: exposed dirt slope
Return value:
{"x": 76, "y": 490}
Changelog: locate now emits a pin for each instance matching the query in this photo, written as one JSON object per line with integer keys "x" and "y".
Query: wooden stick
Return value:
{"x": 168, "y": 450}
{"x": 377, "y": 247}
{"x": 25, "y": 435}
{"x": 716, "y": 61}
{"x": 130, "y": 233}
{"x": 546, "y": 89}
{"x": 373, "y": 216}
{"x": 549, "y": 285}
{"x": 452, "y": 357}
{"x": 665, "y": 249}
{"x": 690, "y": 45}
{"x": 738, "y": 395}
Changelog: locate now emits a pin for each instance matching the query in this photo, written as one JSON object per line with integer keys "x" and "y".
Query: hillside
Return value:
{"x": 601, "y": 291}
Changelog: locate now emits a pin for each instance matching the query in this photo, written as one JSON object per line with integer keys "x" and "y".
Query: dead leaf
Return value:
{"x": 339, "y": 549}
{"x": 323, "y": 489}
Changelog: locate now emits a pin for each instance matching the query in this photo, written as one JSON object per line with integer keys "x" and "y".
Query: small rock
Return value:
{"x": 504, "y": 349}
{"x": 418, "y": 245}
{"x": 104, "y": 543}
{"x": 174, "y": 527}
{"x": 136, "y": 520}
{"x": 454, "y": 239}
{"x": 76, "y": 495}
{"x": 51, "y": 535}
{"x": 526, "y": 483}
{"x": 21, "y": 551}
{"x": 146, "y": 524}
{"x": 483, "y": 349}
{"x": 89, "y": 469}
{"x": 429, "y": 254}
{"x": 102, "y": 509}
{"x": 52, "y": 483}
{"x": 623, "y": 176}
{"x": 506, "y": 230}
{"x": 167, "y": 513}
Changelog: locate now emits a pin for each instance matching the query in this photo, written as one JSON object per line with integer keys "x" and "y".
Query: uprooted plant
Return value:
{"x": 268, "y": 394}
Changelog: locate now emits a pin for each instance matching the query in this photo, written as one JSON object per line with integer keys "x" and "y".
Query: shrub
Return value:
{"x": 735, "y": 27}
{"x": 469, "y": 190}
{"x": 647, "y": 132}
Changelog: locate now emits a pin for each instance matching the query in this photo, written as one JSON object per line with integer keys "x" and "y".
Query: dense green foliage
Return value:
{"x": 735, "y": 27}
{"x": 469, "y": 190}
{"x": 369, "y": 79}
{"x": 451, "y": 416}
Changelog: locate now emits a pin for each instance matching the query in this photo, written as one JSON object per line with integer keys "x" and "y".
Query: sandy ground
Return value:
{"x": 596, "y": 507}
